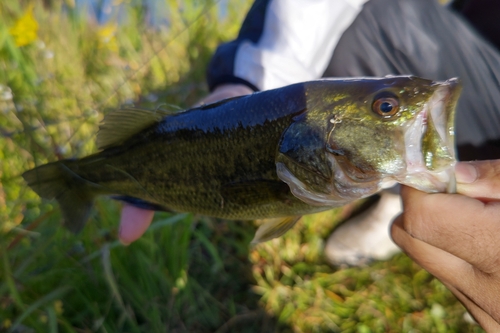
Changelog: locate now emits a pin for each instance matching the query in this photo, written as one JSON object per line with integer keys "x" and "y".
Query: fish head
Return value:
{"x": 375, "y": 132}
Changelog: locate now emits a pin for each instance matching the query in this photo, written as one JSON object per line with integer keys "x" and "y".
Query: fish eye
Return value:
{"x": 386, "y": 105}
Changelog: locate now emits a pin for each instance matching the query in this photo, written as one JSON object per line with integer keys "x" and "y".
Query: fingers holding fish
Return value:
{"x": 436, "y": 261}
{"x": 466, "y": 225}
{"x": 479, "y": 179}
{"x": 456, "y": 237}
{"x": 462, "y": 226}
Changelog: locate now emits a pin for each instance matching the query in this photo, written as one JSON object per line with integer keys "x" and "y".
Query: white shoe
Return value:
{"x": 366, "y": 237}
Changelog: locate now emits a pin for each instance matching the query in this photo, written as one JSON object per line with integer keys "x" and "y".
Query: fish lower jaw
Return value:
{"x": 430, "y": 181}
{"x": 342, "y": 190}
{"x": 418, "y": 176}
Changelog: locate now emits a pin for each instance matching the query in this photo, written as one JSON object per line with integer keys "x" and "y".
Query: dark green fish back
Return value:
{"x": 217, "y": 160}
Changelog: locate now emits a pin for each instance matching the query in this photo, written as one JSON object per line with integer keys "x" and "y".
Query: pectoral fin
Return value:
{"x": 274, "y": 228}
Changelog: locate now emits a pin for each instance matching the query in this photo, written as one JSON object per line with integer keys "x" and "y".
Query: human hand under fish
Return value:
{"x": 455, "y": 237}
{"x": 135, "y": 221}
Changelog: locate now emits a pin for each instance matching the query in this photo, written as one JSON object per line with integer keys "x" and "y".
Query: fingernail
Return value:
{"x": 124, "y": 243}
{"x": 465, "y": 172}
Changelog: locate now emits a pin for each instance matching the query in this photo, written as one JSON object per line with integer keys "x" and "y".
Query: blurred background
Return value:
{"x": 63, "y": 65}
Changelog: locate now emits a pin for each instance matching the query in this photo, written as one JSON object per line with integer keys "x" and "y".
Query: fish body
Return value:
{"x": 286, "y": 152}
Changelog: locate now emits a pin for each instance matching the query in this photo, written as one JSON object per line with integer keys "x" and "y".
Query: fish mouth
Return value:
{"x": 430, "y": 144}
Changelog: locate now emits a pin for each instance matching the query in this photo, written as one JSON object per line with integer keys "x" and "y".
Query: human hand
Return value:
{"x": 456, "y": 237}
{"x": 225, "y": 91}
{"x": 135, "y": 221}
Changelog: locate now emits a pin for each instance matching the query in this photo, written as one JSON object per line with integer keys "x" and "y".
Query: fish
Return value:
{"x": 277, "y": 154}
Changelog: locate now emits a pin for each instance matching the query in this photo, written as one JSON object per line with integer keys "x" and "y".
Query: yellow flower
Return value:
{"x": 107, "y": 37}
{"x": 25, "y": 28}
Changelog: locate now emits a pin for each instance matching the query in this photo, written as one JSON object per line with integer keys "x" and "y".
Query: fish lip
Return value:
{"x": 446, "y": 97}
{"x": 439, "y": 112}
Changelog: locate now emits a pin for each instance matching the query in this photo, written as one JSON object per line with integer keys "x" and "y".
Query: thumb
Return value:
{"x": 479, "y": 179}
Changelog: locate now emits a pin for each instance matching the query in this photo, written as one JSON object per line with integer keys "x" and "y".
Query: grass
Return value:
{"x": 188, "y": 273}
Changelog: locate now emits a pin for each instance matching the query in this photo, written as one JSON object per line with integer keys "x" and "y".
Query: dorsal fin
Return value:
{"x": 121, "y": 124}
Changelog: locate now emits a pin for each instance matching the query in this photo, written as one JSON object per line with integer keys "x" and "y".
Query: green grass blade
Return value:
{"x": 53, "y": 295}
{"x": 9, "y": 280}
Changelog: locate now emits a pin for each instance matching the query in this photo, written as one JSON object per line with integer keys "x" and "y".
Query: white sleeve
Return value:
{"x": 297, "y": 42}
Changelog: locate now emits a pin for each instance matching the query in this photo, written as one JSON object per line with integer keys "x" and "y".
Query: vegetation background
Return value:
{"x": 63, "y": 65}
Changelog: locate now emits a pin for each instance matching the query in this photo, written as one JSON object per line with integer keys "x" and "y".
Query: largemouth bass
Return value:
{"x": 283, "y": 153}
